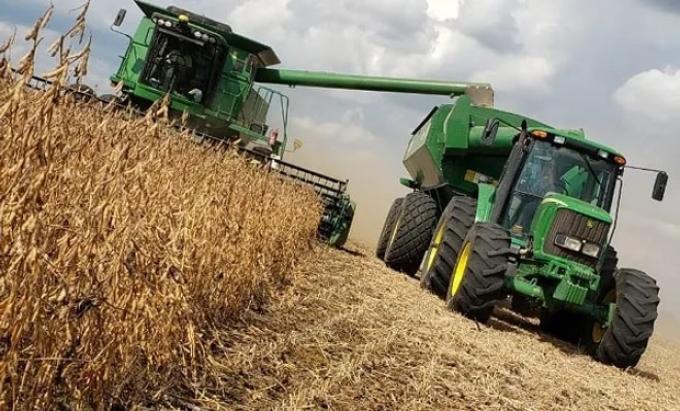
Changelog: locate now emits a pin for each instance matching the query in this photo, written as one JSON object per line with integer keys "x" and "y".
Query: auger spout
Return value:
{"x": 480, "y": 93}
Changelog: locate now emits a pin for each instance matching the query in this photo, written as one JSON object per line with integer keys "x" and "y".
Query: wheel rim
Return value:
{"x": 600, "y": 329}
{"x": 460, "y": 269}
{"x": 434, "y": 250}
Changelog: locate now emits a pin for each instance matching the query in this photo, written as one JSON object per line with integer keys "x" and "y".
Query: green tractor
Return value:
{"x": 504, "y": 205}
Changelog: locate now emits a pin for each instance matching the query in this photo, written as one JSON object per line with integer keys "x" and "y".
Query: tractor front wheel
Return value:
{"x": 411, "y": 233}
{"x": 637, "y": 297}
{"x": 477, "y": 282}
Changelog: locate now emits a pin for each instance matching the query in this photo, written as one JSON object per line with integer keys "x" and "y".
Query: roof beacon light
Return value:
{"x": 620, "y": 160}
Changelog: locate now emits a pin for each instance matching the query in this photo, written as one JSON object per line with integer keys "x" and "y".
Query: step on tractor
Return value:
{"x": 214, "y": 80}
{"x": 506, "y": 206}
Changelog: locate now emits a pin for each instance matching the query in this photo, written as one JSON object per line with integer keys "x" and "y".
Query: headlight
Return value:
{"x": 570, "y": 243}
{"x": 591, "y": 250}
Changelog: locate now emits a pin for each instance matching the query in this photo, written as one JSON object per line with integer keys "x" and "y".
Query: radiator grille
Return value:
{"x": 576, "y": 225}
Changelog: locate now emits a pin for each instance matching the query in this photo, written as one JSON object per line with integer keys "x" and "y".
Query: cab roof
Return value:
{"x": 577, "y": 136}
{"x": 265, "y": 53}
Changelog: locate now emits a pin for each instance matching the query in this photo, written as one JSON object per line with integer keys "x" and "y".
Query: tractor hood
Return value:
{"x": 554, "y": 200}
{"x": 561, "y": 215}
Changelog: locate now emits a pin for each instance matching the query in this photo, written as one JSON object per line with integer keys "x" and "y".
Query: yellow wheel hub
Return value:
{"x": 434, "y": 249}
{"x": 460, "y": 269}
{"x": 599, "y": 329}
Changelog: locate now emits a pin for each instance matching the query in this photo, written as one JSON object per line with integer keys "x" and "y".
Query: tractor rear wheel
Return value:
{"x": 447, "y": 241}
{"x": 637, "y": 297}
{"x": 390, "y": 221}
{"x": 477, "y": 282}
{"x": 411, "y": 233}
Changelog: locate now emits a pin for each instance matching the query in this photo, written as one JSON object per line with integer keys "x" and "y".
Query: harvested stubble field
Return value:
{"x": 352, "y": 334}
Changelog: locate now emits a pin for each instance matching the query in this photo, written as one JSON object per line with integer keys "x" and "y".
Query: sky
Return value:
{"x": 611, "y": 67}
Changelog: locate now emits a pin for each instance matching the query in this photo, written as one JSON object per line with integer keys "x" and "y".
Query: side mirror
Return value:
{"x": 120, "y": 18}
{"x": 490, "y": 131}
{"x": 660, "y": 186}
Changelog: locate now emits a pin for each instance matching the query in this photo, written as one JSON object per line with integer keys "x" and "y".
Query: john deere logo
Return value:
{"x": 590, "y": 224}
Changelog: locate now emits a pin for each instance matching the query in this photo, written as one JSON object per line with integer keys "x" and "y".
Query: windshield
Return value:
{"x": 558, "y": 169}
{"x": 176, "y": 64}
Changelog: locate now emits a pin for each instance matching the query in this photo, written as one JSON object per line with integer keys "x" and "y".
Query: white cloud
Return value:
{"x": 443, "y": 9}
{"x": 654, "y": 94}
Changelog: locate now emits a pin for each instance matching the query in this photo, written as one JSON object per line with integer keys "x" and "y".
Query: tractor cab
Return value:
{"x": 557, "y": 163}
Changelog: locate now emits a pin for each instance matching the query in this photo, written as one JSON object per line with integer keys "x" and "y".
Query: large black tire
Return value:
{"x": 411, "y": 233}
{"x": 390, "y": 221}
{"x": 637, "y": 299}
{"x": 453, "y": 226}
{"x": 478, "y": 279}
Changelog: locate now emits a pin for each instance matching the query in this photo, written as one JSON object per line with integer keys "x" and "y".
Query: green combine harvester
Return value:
{"x": 211, "y": 76}
{"x": 502, "y": 204}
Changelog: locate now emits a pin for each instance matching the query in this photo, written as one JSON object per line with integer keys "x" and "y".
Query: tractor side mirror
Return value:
{"x": 490, "y": 131}
{"x": 120, "y": 18}
{"x": 660, "y": 186}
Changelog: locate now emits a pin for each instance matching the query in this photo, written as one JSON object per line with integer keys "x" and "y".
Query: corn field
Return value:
{"x": 123, "y": 244}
